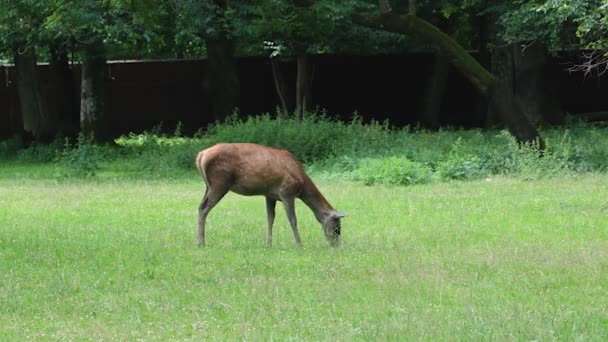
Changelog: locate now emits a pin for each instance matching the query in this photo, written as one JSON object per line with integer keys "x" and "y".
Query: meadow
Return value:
{"x": 446, "y": 238}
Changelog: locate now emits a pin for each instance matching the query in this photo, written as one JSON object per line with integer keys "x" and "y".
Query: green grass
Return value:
{"x": 115, "y": 259}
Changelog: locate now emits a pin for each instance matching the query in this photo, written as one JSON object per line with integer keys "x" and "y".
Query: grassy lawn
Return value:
{"x": 497, "y": 259}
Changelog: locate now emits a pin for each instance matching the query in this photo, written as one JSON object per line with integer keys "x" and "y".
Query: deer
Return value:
{"x": 251, "y": 169}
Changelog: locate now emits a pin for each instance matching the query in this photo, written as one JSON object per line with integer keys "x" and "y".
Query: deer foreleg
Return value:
{"x": 290, "y": 209}
{"x": 270, "y": 206}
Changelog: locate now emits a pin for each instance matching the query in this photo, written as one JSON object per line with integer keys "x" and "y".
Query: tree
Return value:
{"x": 20, "y": 25}
{"x": 209, "y": 22}
{"x": 85, "y": 23}
{"x": 295, "y": 30}
{"x": 496, "y": 92}
{"x": 96, "y": 28}
{"x": 563, "y": 24}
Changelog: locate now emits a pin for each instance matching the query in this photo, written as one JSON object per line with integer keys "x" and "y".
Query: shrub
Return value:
{"x": 160, "y": 156}
{"x": 393, "y": 171}
{"x": 40, "y": 153}
{"x": 9, "y": 148}
{"x": 373, "y": 152}
{"x": 461, "y": 165}
{"x": 310, "y": 137}
{"x": 528, "y": 162}
{"x": 80, "y": 160}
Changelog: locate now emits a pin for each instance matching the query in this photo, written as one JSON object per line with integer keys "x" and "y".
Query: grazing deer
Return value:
{"x": 250, "y": 169}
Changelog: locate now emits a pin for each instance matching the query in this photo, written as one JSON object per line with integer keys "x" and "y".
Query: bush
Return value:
{"x": 462, "y": 167}
{"x": 459, "y": 164}
{"x": 9, "y": 148}
{"x": 528, "y": 162}
{"x": 310, "y": 137}
{"x": 372, "y": 152}
{"x": 40, "y": 153}
{"x": 160, "y": 156}
{"x": 393, "y": 171}
{"x": 80, "y": 160}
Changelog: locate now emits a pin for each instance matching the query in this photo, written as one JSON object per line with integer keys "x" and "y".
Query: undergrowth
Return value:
{"x": 369, "y": 152}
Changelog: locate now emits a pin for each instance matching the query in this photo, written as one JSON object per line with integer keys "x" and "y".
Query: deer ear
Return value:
{"x": 338, "y": 214}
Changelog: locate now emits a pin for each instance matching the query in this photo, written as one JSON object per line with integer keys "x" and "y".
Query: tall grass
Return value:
{"x": 370, "y": 152}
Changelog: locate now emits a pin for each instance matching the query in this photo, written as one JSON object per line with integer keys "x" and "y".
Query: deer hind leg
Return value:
{"x": 290, "y": 209}
{"x": 212, "y": 196}
{"x": 270, "y": 206}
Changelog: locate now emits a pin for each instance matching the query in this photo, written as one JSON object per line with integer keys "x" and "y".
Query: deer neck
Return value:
{"x": 312, "y": 197}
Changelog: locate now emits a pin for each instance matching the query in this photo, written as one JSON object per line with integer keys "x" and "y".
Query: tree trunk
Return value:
{"x": 92, "y": 92}
{"x": 483, "y": 31}
{"x": 411, "y": 7}
{"x": 34, "y": 111}
{"x": 384, "y": 6}
{"x": 223, "y": 72}
{"x": 434, "y": 93}
{"x": 502, "y": 66}
{"x": 280, "y": 85}
{"x": 63, "y": 91}
{"x": 523, "y": 71}
{"x": 484, "y": 81}
{"x": 533, "y": 89}
{"x": 303, "y": 84}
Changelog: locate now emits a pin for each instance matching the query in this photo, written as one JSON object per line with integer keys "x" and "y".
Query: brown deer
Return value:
{"x": 251, "y": 169}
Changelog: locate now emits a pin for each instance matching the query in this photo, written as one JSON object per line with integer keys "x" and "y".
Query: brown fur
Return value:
{"x": 251, "y": 169}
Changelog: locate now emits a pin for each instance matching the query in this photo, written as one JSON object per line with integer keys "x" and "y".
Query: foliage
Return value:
{"x": 39, "y": 153}
{"x": 21, "y": 22}
{"x": 373, "y": 152}
{"x": 393, "y": 171}
{"x": 80, "y": 160}
{"x": 160, "y": 29}
{"x": 312, "y": 26}
{"x": 309, "y": 137}
{"x": 461, "y": 164}
{"x": 556, "y": 23}
{"x": 9, "y": 148}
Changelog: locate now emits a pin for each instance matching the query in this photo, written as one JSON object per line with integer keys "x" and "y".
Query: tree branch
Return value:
{"x": 483, "y": 80}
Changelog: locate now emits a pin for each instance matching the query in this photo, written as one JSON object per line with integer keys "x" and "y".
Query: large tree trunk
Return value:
{"x": 411, "y": 5}
{"x": 223, "y": 72}
{"x": 34, "y": 111}
{"x": 523, "y": 71}
{"x": 63, "y": 91}
{"x": 484, "y": 81}
{"x": 303, "y": 84}
{"x": 280, "y": 85}
{"x": 92, "y": 91}
{"x": 533, "y": 88}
